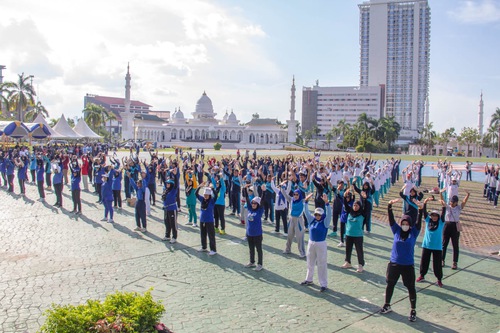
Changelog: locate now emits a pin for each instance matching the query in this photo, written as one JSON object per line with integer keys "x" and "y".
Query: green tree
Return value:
{"x": 329, "y": 137}
{"x": 35, "y": 111}
{"x": 427, "y": 136}
{"x": 495, "y": 121}
{"x": 315, "y": 132}
{"x": 4, "y": 101}
{"x": 308, "y": 134}
{"x": 490, "y": 139}
{"x": 469, "y": 136}
{"x": 53, "y": 122}
{"x": 255, "y": 116}
{"x": 95, "y": 115}
{"x": 20, "y": 95}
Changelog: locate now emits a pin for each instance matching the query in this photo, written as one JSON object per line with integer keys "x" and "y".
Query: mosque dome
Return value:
{"x": 232, "y": 118}
{"x": 178, "y": 114}
{"x": 204, "y": 104}
{"x": 224, "y": 119}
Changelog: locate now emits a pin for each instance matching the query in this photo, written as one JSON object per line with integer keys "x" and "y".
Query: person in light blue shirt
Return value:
{"x": 354, "y": 232}
{"x": 317, "y": 247}
{"x": 432, "y": 244}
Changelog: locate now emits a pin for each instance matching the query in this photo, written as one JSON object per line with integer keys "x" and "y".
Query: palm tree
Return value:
{"x": 53, "y": 122}
{"x": 4, "y": 101}
{"x": 20, "y": 95}
{"x": 491, "y": 137}
{"x": 109, "y": 116}
{"x": 428, "y": 135}
{"x": 469, "y": 136}
{"x": 95, "y": 115}
{"x": 495, "y": 120}
{"x": 329, "y": 137}
{"x": 35, "y": 111}
{"x": 389, "y": 129}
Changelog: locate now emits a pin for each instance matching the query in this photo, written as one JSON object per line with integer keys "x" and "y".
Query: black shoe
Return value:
{"x": 323, "y": 289}
{"x": 413, "y": 316}
{"x": 306, "y": 283}
{"x": 385, "y": 309}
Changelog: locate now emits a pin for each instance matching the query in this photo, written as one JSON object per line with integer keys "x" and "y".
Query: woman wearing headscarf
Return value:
{"x": 402, "y": 258}
{"x": 296, "y": 228}
{"x": 207, "y": 219}
{"x": 354, "y": 232}
{"x": 432, "y": 244}
{"x": 317, "y": 247}
{"x": 169, "y": 198}
{"x": 451, "y": 227}
{"x": 254, "y": 230}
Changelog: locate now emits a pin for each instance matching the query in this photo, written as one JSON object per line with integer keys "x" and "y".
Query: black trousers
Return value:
{"x": 98, "y": 187}
{"x": 219, "y": 216}
{"x": 117, "y": 198}
{"x": 58, "y": 191}
{"x": 48, "y": 179}
{"x": 342, "y": 231}
{"x": 33, "y": 176}
{"x": 335, "y": 218}
{"x": 21, "y": 185}
{"x": 41, "y": 191}
{"x": 234, "y": 199}
{"x": 255, "y": 242}
{"x": 169, "y": 218}
{"x": 436, "y": 262}
{"x": 450, "y": 231}
{"x": 140, "y": 213}
{"x": 407, "y": 272}
{"x": 207, "y": 228}
{"x": 268, "y": 209}
{"x": 152, "y": 193}
{"x": 77, "y": 202}
{"x": 281, "y": 215}
{"x": 358, "y": 243}
{"x": 10, "y": 180}
{"x": 468, "y": 175}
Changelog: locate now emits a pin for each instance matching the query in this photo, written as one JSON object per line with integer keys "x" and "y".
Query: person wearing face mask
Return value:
{"x": 432, "y": 244}
{"x": 317, "y": 247}
{"x": 402, "y": 259}
{"x": 451, "y": 226}
{"x": 354, "y": 232}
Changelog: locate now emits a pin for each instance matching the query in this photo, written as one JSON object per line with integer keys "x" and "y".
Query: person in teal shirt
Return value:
{"x": 354, "y": 232}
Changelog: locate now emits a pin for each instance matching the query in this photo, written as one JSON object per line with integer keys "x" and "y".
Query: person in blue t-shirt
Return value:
{"x": 107, "y": 197}
{"x": 432, "y": 244}
{"x": 254, "y": 230}
{"x": 57, "y": 181}
{"x": 402, "y": 258}
{"x": 317, "y": 247}
{"x": 207, "y": 218}
{"x": 75, "y": 188}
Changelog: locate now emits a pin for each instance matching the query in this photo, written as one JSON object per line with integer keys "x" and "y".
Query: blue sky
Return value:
{"x": 242, "y": 53}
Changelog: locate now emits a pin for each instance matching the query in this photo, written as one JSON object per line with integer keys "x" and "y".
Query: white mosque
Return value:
{"x": 203, "y": 129}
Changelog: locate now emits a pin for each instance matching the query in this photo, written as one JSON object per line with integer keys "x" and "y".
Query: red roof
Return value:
{"x": 118, "y": 101}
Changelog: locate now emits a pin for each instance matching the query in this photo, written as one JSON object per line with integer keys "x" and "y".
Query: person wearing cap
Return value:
{"x": 169, "y": 198}
{"x": 402, "y": 259}
{"x": 107, "y": 197}
{"x": 254, "y": 230}
{"x": 317, "y": 247}
{"x": 451, "y": 226}
{"x": 75, "y": 188}
{"x": 432, "y": 244}
{"x": 207, "y": 219}
{"x": 98, "y": 173}
{"x": 296, "y": 229}
{"x": 354, "y": 232}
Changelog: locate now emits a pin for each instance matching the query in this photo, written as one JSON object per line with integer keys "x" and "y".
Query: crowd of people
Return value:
{"x": 341, "y": 191}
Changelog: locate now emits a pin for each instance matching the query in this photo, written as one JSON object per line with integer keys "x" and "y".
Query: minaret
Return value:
{"x": 480, "y": 125}
{"x": 427, "y": 104}
{"x": 292, "y": 123}
{"x": 127, "y": 116}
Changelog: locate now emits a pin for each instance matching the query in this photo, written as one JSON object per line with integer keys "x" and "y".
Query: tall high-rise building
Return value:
{"x": 395, "y": 45}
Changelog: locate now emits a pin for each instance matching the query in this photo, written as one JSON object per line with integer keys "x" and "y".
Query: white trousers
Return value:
{"x": 317, "y": 256}
{"x": 148, "y": 203}
{"x": 85, "y": 180}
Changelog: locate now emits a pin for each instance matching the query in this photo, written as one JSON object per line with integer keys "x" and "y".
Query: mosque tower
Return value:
{"x": 292, "y": 123}
{"x": 127, "y": 116}
{"x": 480, "y": 125}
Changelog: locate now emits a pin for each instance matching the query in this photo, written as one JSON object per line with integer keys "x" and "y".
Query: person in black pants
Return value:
{"x": 402, "y": 259}
{"x": 338, "y": 204}
{"x": 451, "y": 227}
{"x": 140, "y": 205}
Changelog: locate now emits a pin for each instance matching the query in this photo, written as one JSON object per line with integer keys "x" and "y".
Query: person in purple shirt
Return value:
{"x": 107, "y": 197}
{"x": 75, "y": 188}
{"x": 254, "y": 230}
{"x": 40, "y": 173}
{"x": 402, "y": 258}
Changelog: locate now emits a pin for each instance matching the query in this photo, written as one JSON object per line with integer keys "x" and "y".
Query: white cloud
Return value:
{"x": 477, "y": 12}
{"x": 175, "y": 49}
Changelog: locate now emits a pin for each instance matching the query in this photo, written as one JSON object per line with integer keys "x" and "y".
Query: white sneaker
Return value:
{"x": 189, "y": 223}
{"x": 202, "y": 250}
{"x": 111, "y": 221}
{"x": 166, "y": 239}
{"x": 138, "y": 229}
{"x": 302, "y": 255}
{"x": 250, "y": 264}
{"x": 173, "y": 241}
{"x": 212, "y": 253}
{"x": 259, "y": 268}
{"x": 341, "y": 244}
{"x": 285, "y": 234}
{"x": 360, "y": 269}
{"x": 144, "y": 230}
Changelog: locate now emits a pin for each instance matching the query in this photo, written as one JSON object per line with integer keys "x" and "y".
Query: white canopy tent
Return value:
{"x": 53, "y": 133}
{"x": 62, "y": 127}
{"x": 85, "y": 131}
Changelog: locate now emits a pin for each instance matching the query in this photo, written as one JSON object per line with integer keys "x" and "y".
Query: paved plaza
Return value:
{"x": 51, "y": 256}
